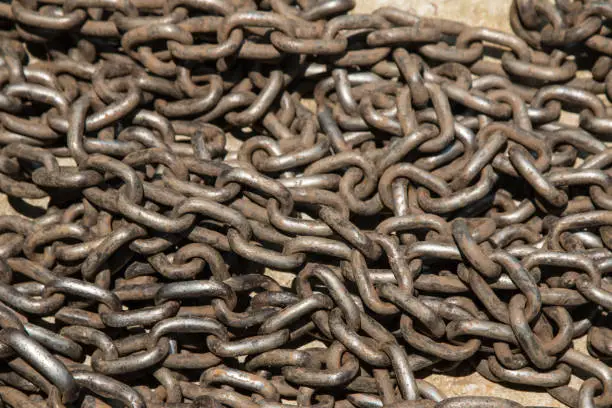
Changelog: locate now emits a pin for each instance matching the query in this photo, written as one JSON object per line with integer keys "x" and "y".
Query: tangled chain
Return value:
{"x": 437, "y": 195}
{"x": 566, "y": 23}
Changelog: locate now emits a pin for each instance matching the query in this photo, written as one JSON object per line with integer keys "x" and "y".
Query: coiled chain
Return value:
{"x": 276, "y": 203}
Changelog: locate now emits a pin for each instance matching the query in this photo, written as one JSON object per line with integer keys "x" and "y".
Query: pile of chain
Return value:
{"x": 277, "y": 203}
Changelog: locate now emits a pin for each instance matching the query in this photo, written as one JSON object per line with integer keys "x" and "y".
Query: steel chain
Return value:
{"x": 435, "y": 195}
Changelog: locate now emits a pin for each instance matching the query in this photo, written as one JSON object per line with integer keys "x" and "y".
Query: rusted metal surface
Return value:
{"x": 410, "y": 175}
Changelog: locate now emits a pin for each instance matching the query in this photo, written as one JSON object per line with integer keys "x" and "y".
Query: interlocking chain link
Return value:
{"x": 281, "y": 203}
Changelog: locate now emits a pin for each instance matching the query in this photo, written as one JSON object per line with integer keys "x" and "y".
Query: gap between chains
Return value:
{"x": 437, "y": 195}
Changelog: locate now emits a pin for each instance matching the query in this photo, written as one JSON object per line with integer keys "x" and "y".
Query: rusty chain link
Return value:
{"x": 282, "y": 203}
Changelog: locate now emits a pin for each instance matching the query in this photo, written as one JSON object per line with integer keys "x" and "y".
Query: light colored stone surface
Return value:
{"x": 486, "y": 13}
{"x": 29, "y": 208}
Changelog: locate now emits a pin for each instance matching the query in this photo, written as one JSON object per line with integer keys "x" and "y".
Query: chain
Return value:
{"x": 281, "y": 203}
